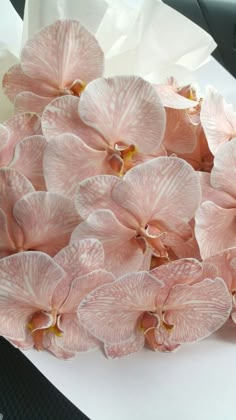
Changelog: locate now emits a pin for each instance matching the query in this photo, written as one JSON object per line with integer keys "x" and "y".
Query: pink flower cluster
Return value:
{"x": 117, "y": 205}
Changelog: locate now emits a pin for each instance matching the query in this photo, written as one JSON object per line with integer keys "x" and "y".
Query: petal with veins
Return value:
{"x": 61, "y": 116}
{"x": 27, "y": 283}
{"x": 124, "y": 110}
{"x": 68, "y": 160}
{"x": 215, "y": 228}
{"x": 114, "y": 351}
{"x": 164, "y": 189}
{"x": 78, "y": 259}
{"x": 28, "y": 159}
{"x": 61, "y": 53}
{"x": 123, "y": 253}
{"x": 180, "y": 136}
{"x": 14, "y": 186}
{"x": 19, "y": 126}
{"x": 16, "y": 81}
{"x": 47, "y": 220}
{"x": 198, "y": 310}
{"x": 218, "y": 124}
{"x": 111, "y": 312}
{"x": 171, "y": 99}
{"x": 223, "y": 175}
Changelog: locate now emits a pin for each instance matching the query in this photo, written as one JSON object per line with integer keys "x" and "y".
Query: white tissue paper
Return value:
{"x": 147, "y": 37}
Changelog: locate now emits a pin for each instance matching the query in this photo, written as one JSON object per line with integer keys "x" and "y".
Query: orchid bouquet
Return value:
{"x": 117, "y": 204}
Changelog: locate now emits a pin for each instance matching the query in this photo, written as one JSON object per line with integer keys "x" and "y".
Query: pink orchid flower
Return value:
{"x": 22, "y": 147}
{"x": 218, "y": 120}
{"x": 174, "y": 96}
{"x": 215, "y": 219}
{"x": 104, "y": 137}
{"x": 59, "y": 60}
{"x": 223, "y": 265}
{"x": 200, "y": 158}
{"x": 31, "y": 220}
{"x": 150, "y": 207}
{"x": 39, "y": 297}
{"x": 165, "y": 308}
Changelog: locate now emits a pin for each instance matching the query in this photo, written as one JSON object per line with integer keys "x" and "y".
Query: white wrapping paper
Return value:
{"x": 147, "y": 37}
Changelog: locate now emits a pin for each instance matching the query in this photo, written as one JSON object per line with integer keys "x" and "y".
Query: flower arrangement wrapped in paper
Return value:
{"x": 118, "y": 198}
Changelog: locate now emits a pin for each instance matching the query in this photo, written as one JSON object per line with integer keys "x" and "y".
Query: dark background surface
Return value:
{"x": 25, "y": 394}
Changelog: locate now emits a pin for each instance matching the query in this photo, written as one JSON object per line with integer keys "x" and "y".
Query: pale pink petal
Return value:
{"x": 61, "y": 116}
{"x": 4, "y": 136}
{"x": 123, "y": 253}
{"x": 19, "y": 127}
{"x": 78, "y": 259}
{"x": 7, "y": 246}
{"x": 82, "y": 286}
{"x": 223, "y": 175}
{"x": 28, "y": 101}
{"x": 125, "y": 110}
{"x": 170, "y": 98}
{"x": 95, "y": 193}
{"x": 16, "y": 81}
{"x": 47, "y": 220}
{"x": 180, "y": 136}
{"x": 164, "y": 189}
{"x": 184, "y": 271}
{"x": 114, "y": 351}
{"x": 198, "y": 310}
{"x": 74, "y": 338}
{"x": 223, "y": 265}
{"x": 81, "y": 257}
{"x": 68, "y": 160}
{"x": 27, "y": 283}
{"x": 14, "y": 186}
{"x": 61, "y": 53}
{"x": 28, "y": 159}
{"x": 218, "y": 127}
{"x": 111, "y": 312}
{"x": 209, "y": 193}
{"x": 215, "y": 229}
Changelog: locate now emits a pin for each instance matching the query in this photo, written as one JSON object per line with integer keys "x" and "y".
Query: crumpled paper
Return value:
{"x": 146, "y": 38}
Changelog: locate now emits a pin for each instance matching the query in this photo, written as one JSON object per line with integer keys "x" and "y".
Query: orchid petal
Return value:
{"x": 209, "y": 193}
{"x": 28, "y": 159}
{"x": 122, "y": 251}
{"x": 215, "y": 228}
{"x": 82, "y": 286}
{"x": 68, "y": 160}
{"x": 95, "y": 193}
{"x": 161, "y": 189}
{"x": 7, "y": 246}
{"x": 179, "y": 136}
{"x": 61, "y": 116}
{"x": 198, "y": 310}
{"x": 78, "y": 259}
{"x": 216, "y": 124}
{"x": 29, "y": 101}
{"x": 114, "y": 351}
{"x": 27, "y": 283}
{"x": 14, "y": 186}
{"x": 223, "y": 175}
{"x": 74, "y": 338}
{"x": 61, "y": 53}
{"x": 172, "y": 99}
{"x": 124, "y": 109}
{"x": 47, "y": 220}
{"x": 19, "y": 127}
{"x": 16, "y": 81}
{"x": 111, "y": 312}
